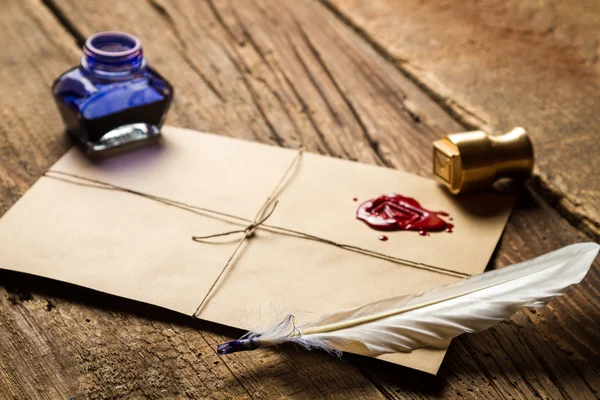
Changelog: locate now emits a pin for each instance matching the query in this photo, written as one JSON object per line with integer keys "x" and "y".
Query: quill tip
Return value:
{"x": 237, "y": 345}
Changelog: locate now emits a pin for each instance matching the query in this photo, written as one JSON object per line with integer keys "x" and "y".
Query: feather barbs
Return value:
{"x": 431, "y": 318}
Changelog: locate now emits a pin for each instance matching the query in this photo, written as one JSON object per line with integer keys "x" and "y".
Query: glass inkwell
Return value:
{"x": 113, "y": 98}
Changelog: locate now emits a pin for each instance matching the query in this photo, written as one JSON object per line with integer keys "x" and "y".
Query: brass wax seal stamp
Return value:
{"x": 475, "y": 160}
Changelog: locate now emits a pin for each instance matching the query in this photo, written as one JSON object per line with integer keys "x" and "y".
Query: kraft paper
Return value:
{"x": 140, "y": 249}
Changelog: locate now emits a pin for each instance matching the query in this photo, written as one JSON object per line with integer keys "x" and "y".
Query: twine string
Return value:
{"x": 261, "y": 216}
{"x": 259, "y": 221}
{"x": 248, "y": 233}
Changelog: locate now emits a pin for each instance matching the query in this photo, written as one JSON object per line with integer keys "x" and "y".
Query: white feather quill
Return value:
{"x": 405, "y": 323}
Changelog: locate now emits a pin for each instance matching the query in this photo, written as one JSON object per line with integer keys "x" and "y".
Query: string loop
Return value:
{"x": 248, "y": 231}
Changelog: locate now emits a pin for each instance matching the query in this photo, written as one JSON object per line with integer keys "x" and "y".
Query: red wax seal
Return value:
{"x": 394, "y": 212}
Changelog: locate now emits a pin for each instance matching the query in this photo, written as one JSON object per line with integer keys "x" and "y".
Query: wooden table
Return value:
{"x": 368, "y": 80}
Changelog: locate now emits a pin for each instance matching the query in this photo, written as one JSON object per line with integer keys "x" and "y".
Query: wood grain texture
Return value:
{"x": 497, "y": 64}
{"x": 284, "y": 73}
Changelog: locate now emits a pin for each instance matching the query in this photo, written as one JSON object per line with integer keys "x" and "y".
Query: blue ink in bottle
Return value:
{"x": 113, "y": 98}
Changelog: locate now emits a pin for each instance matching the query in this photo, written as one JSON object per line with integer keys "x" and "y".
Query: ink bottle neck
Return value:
{"x": 113, "y": 55}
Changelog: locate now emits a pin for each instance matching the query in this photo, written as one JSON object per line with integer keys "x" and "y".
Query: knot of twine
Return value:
{"x": 248, "y": 231}
{"x": 259, "y": 219}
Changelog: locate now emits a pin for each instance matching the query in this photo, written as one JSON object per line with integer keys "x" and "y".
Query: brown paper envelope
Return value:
{"x": 141, "y": 249}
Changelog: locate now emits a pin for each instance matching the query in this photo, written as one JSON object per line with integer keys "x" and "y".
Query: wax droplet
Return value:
{"x": 383, "y": 238}
{"x": 423, "y": 233}
{"x": 355, "y": 199}
{"x": 451, "y": 219}
{"x": 449, "y": 228}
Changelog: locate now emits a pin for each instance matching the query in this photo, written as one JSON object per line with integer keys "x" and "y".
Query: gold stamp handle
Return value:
{"x": 475, "y": 160}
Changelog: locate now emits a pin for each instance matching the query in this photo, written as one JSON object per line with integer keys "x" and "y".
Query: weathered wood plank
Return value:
{"x": 283, "y": 73}
{"x": 498, "y": 64}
